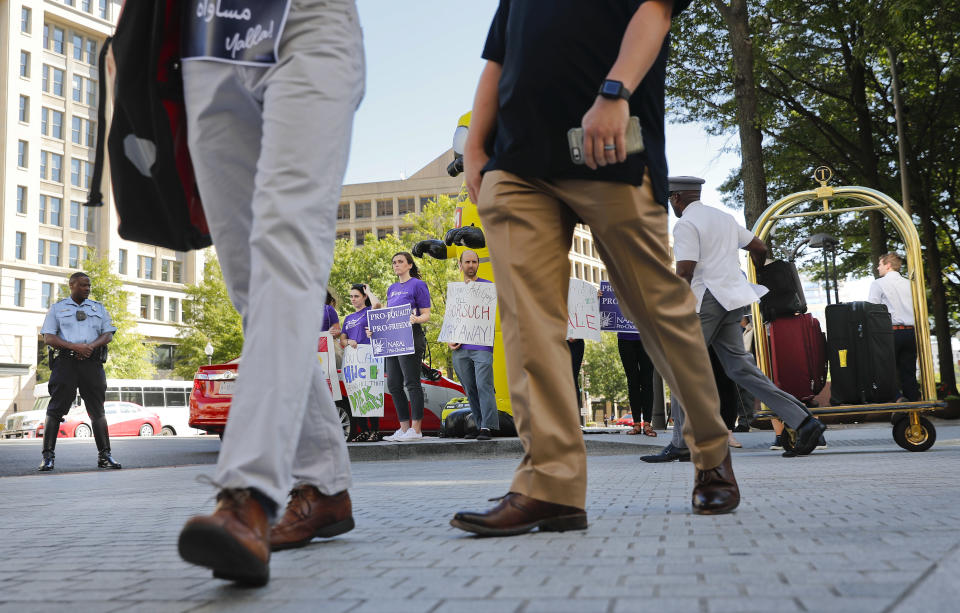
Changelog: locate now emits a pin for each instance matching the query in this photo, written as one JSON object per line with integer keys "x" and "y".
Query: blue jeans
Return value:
{"x": 475, "y": 369}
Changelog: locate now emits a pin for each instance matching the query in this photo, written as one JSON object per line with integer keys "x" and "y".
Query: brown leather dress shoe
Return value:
{"x": 311, "y": 514}
{"x": 715, "y": 491}
{"x": 517, "y": 514}
{"x": 233, "y": 541}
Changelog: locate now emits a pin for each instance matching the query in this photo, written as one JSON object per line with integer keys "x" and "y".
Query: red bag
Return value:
{"x": 798, "y": 355}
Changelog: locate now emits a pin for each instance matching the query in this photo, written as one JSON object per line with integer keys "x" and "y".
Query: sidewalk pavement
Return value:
{"x": 853, "y": 528}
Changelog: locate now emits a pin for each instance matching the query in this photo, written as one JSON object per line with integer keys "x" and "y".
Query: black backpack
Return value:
{"x": 154, "y": 188}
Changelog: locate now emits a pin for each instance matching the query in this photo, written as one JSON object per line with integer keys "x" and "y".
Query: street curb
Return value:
{"x": 459, "y": 449}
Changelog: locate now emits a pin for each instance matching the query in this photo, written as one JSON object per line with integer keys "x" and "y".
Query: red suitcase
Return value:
{"x": 798, "y": 355}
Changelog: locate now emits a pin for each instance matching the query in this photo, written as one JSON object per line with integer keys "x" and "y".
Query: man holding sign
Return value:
{"x": 474, "y": 362}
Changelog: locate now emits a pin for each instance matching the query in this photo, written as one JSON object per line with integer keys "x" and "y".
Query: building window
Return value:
{"x": 76, "y": 130}
{"x": 54, "y": 259}
{"x": 44, "y": 164}
{"x": 576, "y": 244}
{"x": 424, "y": 200}
{"x": 25, "y": 64}
{"x": 56, "y": 167}
{"x": 44, "y": 121}
{"x": 343, "y": 234}
{"x": 144, "y": 267}
{"x": 579, "y": 273}
{"x": 406, "y": 205}
{"x": 362, "y": 210}
{"x": 77, "y": 88}
{"x": 91, "y": 93}
{"x": 145, "y": 307}
{"x": 25, "y": 20}
{"x": 55, "y": 85}
{"x": 382, "y": 233}
{"x": 102, "y": 9}
{"x": 385, "y": 208}
{"x": 18, "y": 292}
{"x": 42, "y": 212}
{"x": 173, "y": 305}
{"x": 91, "y": 52}
{"x": 177, "y": 272}
{"x": 89, "y": 218}
{"x": 122, "y": 262}
{"x": 74, "y": 261}
{"x": 75, "y": 172}
{"x": 53, "y": 39}
{"x": 22, "y": 151}
{"x": 343, "y": 211}
{"x": 87, "y": 174}
{"x": 41, "y": 251}
{"x": 164, "y": 270}
{"x": 20, "y": 248}
{"x": 56, "y": 206}
{"x": 77, "y": 47}
{"x": 21, "y": 199}
{"x": 404, "y": 230}
{"x": 158, "y": 308}
{"x": 91, "y": 132}
{"x": 46, "y": 294}
{"x": 361, "y": 235}
{"x": 85, "y": 5}
{"x": 74, "y": 215}
{"x": 24, "y": 115}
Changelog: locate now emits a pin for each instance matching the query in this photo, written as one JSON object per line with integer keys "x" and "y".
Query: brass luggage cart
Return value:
{"x": 911, "y": 430}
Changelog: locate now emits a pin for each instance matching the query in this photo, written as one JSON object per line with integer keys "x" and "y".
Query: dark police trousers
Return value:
{"x": 67, "y": 376}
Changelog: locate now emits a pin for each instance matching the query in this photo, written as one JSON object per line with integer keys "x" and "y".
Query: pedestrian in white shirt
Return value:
{"x": 706, "y": 244}
{"x": 894, "y": 292}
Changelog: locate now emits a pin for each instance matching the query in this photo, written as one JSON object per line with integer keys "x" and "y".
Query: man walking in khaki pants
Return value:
{"x": 552, "y": 66}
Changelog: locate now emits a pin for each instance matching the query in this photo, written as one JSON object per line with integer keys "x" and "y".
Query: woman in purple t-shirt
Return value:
{"x": 403, "y": 372}
{"x": 331, "y": 321}
{"x": 354, "y": 332}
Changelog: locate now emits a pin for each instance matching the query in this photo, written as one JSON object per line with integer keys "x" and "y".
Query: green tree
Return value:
{"x": 601, "y": 363}
{"x": 208, "y": 316}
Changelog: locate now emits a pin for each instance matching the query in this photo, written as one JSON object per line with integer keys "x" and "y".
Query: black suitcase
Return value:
{"x": 785, "y": 297}
{"x": 861, "y": 353}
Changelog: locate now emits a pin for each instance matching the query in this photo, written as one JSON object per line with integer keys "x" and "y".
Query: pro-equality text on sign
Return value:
{"x": 328, "y": 363}
{"x": 583, "y": 311}
{"x": 611, "y": 317}
{"x": 471, "y": 314}
{"x": 364, "y": 378}
{"x": 235, "y": 31}
{"x": 391, "y": 332}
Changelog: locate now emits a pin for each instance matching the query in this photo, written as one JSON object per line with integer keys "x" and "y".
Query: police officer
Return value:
{"x": 78, "y": 330}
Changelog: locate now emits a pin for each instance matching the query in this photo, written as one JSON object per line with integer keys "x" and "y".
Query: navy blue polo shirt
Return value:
{"x": 555, "y": 54}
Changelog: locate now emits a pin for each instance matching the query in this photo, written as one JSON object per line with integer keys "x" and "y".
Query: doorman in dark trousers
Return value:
{"x": 77, "y": 330}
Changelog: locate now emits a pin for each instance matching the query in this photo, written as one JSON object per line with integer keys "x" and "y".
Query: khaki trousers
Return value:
{"x": 529, "y": 227}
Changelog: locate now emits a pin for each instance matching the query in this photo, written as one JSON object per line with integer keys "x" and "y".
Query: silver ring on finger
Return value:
{"x": 609, "y": 147}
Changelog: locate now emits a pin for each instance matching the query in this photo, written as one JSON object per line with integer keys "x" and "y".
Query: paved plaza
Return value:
{"x": 862, "y": 526}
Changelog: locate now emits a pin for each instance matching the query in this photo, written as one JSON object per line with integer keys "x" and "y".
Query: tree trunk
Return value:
{"x": 941, "y": 321}
{"x": 751, "y": 139}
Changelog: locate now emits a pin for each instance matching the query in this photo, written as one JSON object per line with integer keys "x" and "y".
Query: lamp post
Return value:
{"x": 209, "y": 351}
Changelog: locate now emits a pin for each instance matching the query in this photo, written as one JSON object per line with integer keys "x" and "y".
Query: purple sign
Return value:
{"x": 611, "y": 318}
{"x": 236, "y": 31}
{"x": 391, "y": 332}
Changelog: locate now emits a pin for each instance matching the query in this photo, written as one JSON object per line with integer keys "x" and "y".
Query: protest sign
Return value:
{"x": 391, "y": 332}
{"x": 365, "y": 378}
{"x": 470, "y": 315}
{"x": 328, "y": 363}
{"x": 611, "y": 317}
{"x": 583, "y": 311}
{"x": 235, "y": 31}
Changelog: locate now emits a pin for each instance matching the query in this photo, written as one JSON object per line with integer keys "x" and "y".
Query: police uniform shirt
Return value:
{"x": 713, "y": 240}
{"x": 62, "y": 321}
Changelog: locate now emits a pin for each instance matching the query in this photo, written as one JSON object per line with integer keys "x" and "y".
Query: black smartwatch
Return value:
{"x": 613, "y": 90}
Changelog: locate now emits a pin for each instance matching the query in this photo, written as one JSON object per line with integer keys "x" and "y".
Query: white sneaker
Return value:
{"x": 410, "y": 435}
{"x": 395, "y": 436}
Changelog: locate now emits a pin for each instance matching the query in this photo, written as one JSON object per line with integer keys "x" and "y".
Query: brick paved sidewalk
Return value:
{"x": 855, "y": 529}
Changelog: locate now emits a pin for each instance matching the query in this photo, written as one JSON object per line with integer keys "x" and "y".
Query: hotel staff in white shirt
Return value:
{"x": 894, "y": 292}
{"x": 706, "y": 245}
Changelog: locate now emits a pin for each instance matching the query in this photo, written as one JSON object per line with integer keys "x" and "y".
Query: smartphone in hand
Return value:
{"x": 634, "y": 140}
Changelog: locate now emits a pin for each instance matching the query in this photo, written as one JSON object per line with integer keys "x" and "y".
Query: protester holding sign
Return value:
{"x": 403, "y": 372}
{"x": 270, "y": 91}
{"x": 354, "y": 332}
{"x": 474, "y": 363}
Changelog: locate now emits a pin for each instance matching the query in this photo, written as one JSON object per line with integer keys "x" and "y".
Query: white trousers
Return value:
{"x": 269, "y": 148}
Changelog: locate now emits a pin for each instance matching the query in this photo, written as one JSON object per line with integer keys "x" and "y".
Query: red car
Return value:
{"x": 213, "y": 391}
{"x": 626, "y": 420}
{"x": 123, "y": 419}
